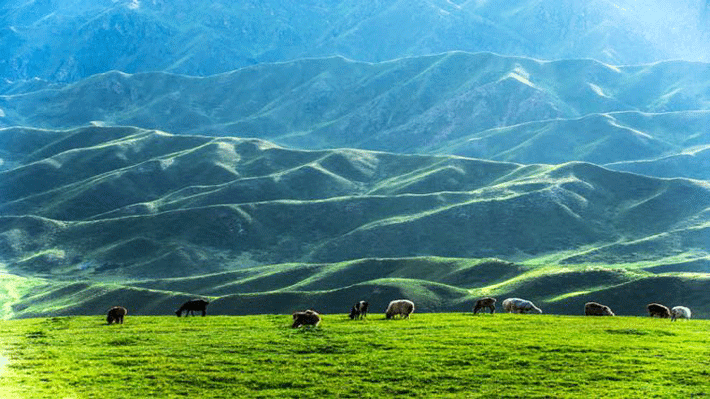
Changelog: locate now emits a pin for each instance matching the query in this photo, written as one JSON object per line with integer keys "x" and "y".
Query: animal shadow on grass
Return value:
{"x": 57, "y": 323}
{"x": 479, "y": 314}
{"x": 124, "y": 341}
{"x": 307, "y": 330}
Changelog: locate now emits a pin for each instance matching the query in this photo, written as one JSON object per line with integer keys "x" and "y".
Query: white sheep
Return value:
{"x": 402, "y": 307}
{"x": 680, "y": 312}
{"x": 517, "y": 305}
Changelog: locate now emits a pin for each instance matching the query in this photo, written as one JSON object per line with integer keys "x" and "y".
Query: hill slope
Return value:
{"x": 479, "y": 105}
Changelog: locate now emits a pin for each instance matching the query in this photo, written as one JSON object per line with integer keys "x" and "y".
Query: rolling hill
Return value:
{"x": 95, "y": 214}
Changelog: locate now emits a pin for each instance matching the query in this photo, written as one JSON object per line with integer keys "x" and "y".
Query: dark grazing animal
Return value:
{"x": 656, "y": 309}
{"x": 192, "y": 306}
{"x": 306, "y": 318}
{"x": 116, "y": 314}
{"x": 488, "y": 302}
{"x": 403, "y": 307}
{"x": 597, "y": 309}
{"x": 359, "y": 310}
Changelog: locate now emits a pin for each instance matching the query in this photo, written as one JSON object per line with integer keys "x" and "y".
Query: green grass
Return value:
{"x": 431, "y": 355}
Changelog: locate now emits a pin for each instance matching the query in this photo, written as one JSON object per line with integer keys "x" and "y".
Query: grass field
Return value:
{"x": 431, "y": 355}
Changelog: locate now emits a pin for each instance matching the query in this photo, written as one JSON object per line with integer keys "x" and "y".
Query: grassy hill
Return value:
{"x": 429, "y": 355}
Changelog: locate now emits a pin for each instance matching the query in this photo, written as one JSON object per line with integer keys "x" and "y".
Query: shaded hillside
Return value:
{"x": 69, "y": 40}
{"x": 616, "y": 137}
{"x": 693, "y": 163}
{"x": 127, "y": 202}
{"x": 477, "y": 105}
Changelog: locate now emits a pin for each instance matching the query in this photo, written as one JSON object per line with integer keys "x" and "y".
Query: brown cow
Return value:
{"x": 597, "y": 309}
{"x": 306, "y": 318}
{"x": 656, "y": 309}
{"x": 488, "y": 302}
{"x": 116, "y": 314}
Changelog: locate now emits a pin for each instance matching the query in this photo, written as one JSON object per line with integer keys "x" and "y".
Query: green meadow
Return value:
{"x": 431, "y": 355}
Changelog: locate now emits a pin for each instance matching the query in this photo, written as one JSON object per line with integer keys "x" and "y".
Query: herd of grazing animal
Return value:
{"x": 405, "y": 307}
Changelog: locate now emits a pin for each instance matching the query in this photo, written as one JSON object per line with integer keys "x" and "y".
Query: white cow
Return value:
{"x": 680, "y": 312}
{"x": 517, "y": 305}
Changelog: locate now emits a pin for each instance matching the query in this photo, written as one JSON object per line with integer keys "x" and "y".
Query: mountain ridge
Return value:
{"x": 477, "y": 105}
{"x": 68, "y": 41}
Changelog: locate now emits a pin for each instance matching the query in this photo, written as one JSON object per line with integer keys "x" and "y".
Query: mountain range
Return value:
{"x": 273, "y": 156}
{"x": 649, "y": 118}
{"x": 68, "y": 40}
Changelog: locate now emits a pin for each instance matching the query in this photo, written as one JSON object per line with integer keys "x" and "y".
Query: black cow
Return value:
{"x": 191, "y": 306}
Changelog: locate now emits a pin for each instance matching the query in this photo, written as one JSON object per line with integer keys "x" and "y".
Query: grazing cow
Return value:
{"x": 597, "y": 309}
{"x": 116, "y": 314}
{"x": 656, "y": 309}
{"x": 403, "y": 307}
{"x": 680, "y": 312}
{"x": 489, "y": 303}
{"x": 306, "y": 318}
{"x": 359, "y": 310}
{"x": 192, "y": 306}
{"x": 517, "y": 305}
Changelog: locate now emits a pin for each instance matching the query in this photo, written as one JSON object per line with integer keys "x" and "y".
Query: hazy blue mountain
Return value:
{"x": 66, "y": 40}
